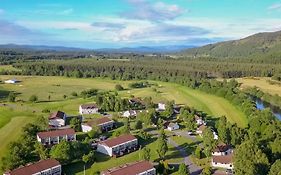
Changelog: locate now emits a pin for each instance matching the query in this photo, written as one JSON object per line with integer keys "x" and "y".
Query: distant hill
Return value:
{"x": 147, "y": 49}
{"x": 261, "y": 45}
{"x": 40, "y": 47}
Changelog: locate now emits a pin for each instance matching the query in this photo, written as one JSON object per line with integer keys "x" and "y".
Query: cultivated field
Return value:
{"x": 15, "y": 115}
{"x": 262, "y": 83}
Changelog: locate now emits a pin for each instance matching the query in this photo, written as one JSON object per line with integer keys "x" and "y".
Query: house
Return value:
{"x": 216, "y": 137}
{"x": 12, "y": 81}
{"x": 57, "y": 119}
{"x": 222, "y": 149}
{"x": 136, "y": 103}
{"x": 161, "y": 106}
{"x": 173, "y": 126}
{"x": 130, "y": 113}
{"x": 224, "y": 161}
{"x": 177, "y": 109}
{"x": 88, "y": 109}
{"x": 104, "y": 123}
{"x": 136, "y": 168}
{"x": 199, "y": 120}
{"x": 119, "y": 145}
{"x": 48, "y": 166}
{"x": 54, "y": 137}
{"x": 200, "y": 129}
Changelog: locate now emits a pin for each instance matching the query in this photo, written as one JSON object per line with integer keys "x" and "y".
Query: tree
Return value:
{"x": 145, "y": 154}
{"x": 206, "y": 171}
{"x": 275, "y": 168}
{"x": 209, "y": 142}
{"x": 95, "y": 132}
{"x": 12, "y": 97}
{"x": 162, "y": 146}
{"x": 88, "y": 158}
{"x": 74, "y": 94}
{"x": 249, "y": 159}
{"x": 41, "y": 151}
{"x": 138, "y": 125}
{"x": 62, "y": 152}
{"x": 183, "y": 170}
{"x": 118, "y": 87}
{"x": 197, "y": 152}
{"x": 33, "y": 98}
{"x": 75, "y": 123}
{"x": 49, "y": 97}
{"x": 223, "y": 131}
{"x": 64, "y": 96}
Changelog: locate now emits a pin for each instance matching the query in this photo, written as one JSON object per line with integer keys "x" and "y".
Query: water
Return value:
{"x": 261, "y": 105}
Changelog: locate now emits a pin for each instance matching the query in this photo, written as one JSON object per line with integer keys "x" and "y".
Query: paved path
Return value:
{"x": 194, "y": 169}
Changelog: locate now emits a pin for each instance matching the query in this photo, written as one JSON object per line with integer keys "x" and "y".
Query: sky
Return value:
{"x": 132, "y": 23}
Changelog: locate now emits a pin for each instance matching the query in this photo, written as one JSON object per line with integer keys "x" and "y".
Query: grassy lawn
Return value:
{"x": 262, "y": 83}
{"x": 104, "y": 162}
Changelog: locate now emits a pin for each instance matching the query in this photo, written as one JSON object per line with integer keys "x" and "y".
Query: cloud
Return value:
{"x": 11, "y": 29}
{"x": 276, "y": 6}
{"x": 2, "y": 11}
{"x": 159, "y": 11}
{"x": 108, "y": 25}
{"x": 66, "y": 11}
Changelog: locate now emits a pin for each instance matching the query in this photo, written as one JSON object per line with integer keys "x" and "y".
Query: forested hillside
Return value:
{"x": 258, "y": 46}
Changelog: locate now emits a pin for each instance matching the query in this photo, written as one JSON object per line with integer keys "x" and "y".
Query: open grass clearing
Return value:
{"x": 261, "y": 83}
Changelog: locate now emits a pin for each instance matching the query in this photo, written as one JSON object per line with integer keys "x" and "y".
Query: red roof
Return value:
{"x": 36, "y": 167}
{"x": 58, "y": 114}
{"x": 130, "y": 169}
{"x": 56, "y": 133}
{"x": 89, "y": 106}
{"x": 227, "y": 159}
{"x": 99, "y": 121}
{"x": 118, "y": 140}
{"x": 222, "y": 148}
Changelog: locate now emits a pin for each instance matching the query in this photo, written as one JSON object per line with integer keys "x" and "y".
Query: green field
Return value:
{"x": 15, "y": 115}
{"x": 262, "y": 83}
{"x": 8, "y": 68}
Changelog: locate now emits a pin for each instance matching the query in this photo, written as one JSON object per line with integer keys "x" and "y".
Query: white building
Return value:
{"x": 136, "y": 168}
{"x": 88, "y": 109}
{"x": 173, "y": 126}
{"x": 222, "y": 150}
{"x": 130, "y": 113}
{"x": 12, "y": 81}
{"x": 223, "y": 161}
{"x": 57, "y": 119}
{"x": 161, "y": 106}
{"x": 104, "y": 123}
{"x": 54, "y": 137}
{"x": 118, "y": 146}
{"x": 43, "y": 167}
{"x": 199, "y": 120}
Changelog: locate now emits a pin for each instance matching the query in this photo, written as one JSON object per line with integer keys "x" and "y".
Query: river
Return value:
{"x": 261, "y": 105}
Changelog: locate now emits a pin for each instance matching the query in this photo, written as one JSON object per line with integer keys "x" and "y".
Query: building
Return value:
{"x": 173, "y": 126}
{"x": 118, "y": 146}
{"x": 222, "y": 149}
{"x": 130, "y": 113}
{"x": 88, "y": 109}
{"x": 43, "y": 167}
{"x": 57, "y": 119}
{"x": 199, "y": 120}
{"x": 12, "y": 81}
{"x": 136, "y": 168}
{"x": 54, "y": 137}
{"x": 104, "y": 123}
{"x": 161, "y": 106}
{"x": 200, "y": 129}
{"x": 224, "y": 161}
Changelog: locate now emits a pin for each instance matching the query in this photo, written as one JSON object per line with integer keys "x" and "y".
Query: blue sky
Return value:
{"x": 131, "y": 23}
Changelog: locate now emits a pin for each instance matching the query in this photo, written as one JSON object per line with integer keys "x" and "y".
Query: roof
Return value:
{"x": 202, "y": 127}
{"x": 118, "y": 140}
{"x": 35, "y": 167}
{"x": 89, "y": 106}
{"x": 136, "y": 100}
{"x": 172, "y": 124}
{"x": 99, "y": 121}
{"x": 58, "y": 114}
{"x": 130, "y": 169}
{"x": 217, "y": 172}
{"x": 222, "y": 148}
{"x": 227, "y": 159}
{"x": 60, "y": 132}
